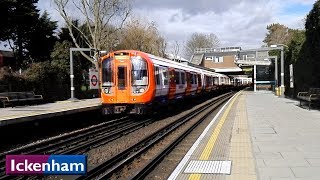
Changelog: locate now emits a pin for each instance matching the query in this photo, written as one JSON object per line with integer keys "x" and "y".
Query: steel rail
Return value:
{"x": 108, "y": 168}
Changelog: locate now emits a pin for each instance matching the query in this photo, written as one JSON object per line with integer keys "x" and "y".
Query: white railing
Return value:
{"x": 224, "y": 49}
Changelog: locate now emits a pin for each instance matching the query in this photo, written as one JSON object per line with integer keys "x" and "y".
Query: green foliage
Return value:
{"x": 304, "y": 54}
{"x": 278, "y": 34}
{"x": 30, "y": 35}
{"x": 292, "y": 56}
{"x": 307, "y": 73}
{"x": 42, "y": 39}
{"x": 10, "y": 81}
{"x": 6, "y": 8}
{"x": 46, "y": 79}
{"x": 21, "y": 19}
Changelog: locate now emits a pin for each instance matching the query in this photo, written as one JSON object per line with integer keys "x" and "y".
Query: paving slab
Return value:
{"x": 286, "y": 135}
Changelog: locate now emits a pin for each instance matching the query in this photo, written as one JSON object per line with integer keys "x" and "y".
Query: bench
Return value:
{"x": 311, "y": 96}
{"x": 19, "y": 98}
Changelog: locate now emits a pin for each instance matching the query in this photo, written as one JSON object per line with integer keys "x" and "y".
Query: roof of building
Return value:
{"x": 5, "y": 53}
{"x": 236, "y": 69}
{"x": 177, "y": 57}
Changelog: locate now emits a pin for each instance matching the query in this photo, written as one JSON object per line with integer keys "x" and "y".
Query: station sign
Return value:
{"x": 94, "y": 79}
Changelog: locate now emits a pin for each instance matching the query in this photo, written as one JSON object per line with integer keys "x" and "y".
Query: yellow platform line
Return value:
{"x": 210, "y": 144}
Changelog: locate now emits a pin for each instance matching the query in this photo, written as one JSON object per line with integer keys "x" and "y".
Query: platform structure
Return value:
{"x": 256, "y": 135}
{"x": 21, "y": 114}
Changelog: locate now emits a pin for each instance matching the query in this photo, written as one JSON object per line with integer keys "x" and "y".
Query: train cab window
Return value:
{"x": 139, "y": 75}
{"x": 107, "y": 72}
{"x": 183, "y": 77}
{"x": 139, "y": 72}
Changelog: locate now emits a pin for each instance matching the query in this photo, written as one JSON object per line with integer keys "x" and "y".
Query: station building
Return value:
{"x": 237, "y": 63}
{"x": 6, "y": 58}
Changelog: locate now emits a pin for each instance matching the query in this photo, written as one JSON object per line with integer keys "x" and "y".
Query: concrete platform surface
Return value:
{"x": 21, "y": 114}
{"x": 256, "y": 136}
{"x": 285, "y": 137}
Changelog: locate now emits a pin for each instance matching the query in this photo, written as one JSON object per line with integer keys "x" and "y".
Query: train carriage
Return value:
{"x": 134, "y": 81}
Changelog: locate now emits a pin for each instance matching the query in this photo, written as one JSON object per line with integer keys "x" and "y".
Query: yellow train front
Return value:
{"x": 127, "y": 82}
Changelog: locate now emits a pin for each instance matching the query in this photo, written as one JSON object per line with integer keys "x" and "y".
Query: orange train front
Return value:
{"x": 135, "y": 82}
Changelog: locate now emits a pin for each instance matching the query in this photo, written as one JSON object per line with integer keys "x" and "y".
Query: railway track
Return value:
{"x": 79, "y": 141}
{"x": 115, "y": 164}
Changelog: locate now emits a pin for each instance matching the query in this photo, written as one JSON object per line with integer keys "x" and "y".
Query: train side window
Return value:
{"x": 165, "y": 76}
{"x": 177, "y": 77}
{"x": 191, "y": 78}
{"x": 183, "y": 77}
{"x": 216, "y": 81}
{"x": 195, "y": 79}
{"x": 157, "y": 74}
{"x": 199, "y": 80}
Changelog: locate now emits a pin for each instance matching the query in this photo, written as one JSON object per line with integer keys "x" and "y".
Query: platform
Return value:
{"x": 21, "y": 114}
{"x": 256, "y": 135}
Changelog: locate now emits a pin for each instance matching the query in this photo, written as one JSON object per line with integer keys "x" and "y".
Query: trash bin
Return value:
{"x": 277, "y": 91}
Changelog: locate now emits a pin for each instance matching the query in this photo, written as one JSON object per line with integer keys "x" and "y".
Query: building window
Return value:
{"x": 218, "y": 59}
{"x": 209, "y": 58}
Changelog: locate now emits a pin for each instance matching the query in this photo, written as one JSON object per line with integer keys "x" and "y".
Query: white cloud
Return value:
{"x": 236, "y": 23}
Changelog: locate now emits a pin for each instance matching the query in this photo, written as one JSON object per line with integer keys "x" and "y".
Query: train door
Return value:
{"x": 199, "y": 89}
{"x": 122, "y": 83}
{"x": 180, "y": 78}
{"x": 194, "y": 84}
{"x": 158, "y": 78}
{"x": 172, "y": 83}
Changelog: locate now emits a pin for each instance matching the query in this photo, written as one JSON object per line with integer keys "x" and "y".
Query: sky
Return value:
{"x": 235, "y": 22}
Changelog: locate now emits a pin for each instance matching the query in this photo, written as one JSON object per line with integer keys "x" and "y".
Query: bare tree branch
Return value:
{"x": 200, "y": 40}
{"x": 102, "y": 18}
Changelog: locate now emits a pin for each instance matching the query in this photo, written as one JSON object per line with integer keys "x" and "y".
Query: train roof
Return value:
{"x": 188, "y": 66}
{"x": 166, "y": 62}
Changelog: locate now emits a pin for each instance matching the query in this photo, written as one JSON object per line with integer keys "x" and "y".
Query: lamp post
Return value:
{"x": 282, "y": 67}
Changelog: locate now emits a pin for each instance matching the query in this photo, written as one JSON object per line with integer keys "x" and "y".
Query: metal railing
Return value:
{"x": 224, "y": 49}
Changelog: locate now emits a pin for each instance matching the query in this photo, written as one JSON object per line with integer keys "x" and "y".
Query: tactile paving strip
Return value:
{"x": 208, "y": 167}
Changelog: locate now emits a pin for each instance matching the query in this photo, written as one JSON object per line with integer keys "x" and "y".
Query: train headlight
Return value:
{"x": 138, "y": 89}
{"x": 141, "y": 90}
{"x": 107, "y": 90}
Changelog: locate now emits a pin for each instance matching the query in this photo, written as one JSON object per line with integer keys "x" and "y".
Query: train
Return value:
{"x": 135, "y": 82}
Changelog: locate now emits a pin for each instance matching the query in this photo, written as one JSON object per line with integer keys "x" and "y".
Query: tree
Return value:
{"x": 143, "y": 36}
{"x": 21, "y": 16}
{"x": 278, "y": 34}
{"x": 176, "y": 49}
{"x": 311, "y": 50}
{"x": 42, "y": 39}
{"x": 102, "y": 18}
{"x": 6, "y": 9}
{"x": 200, "y": 40}
{"x": 293, "y": 56}
{"x": 30, "y": 36}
